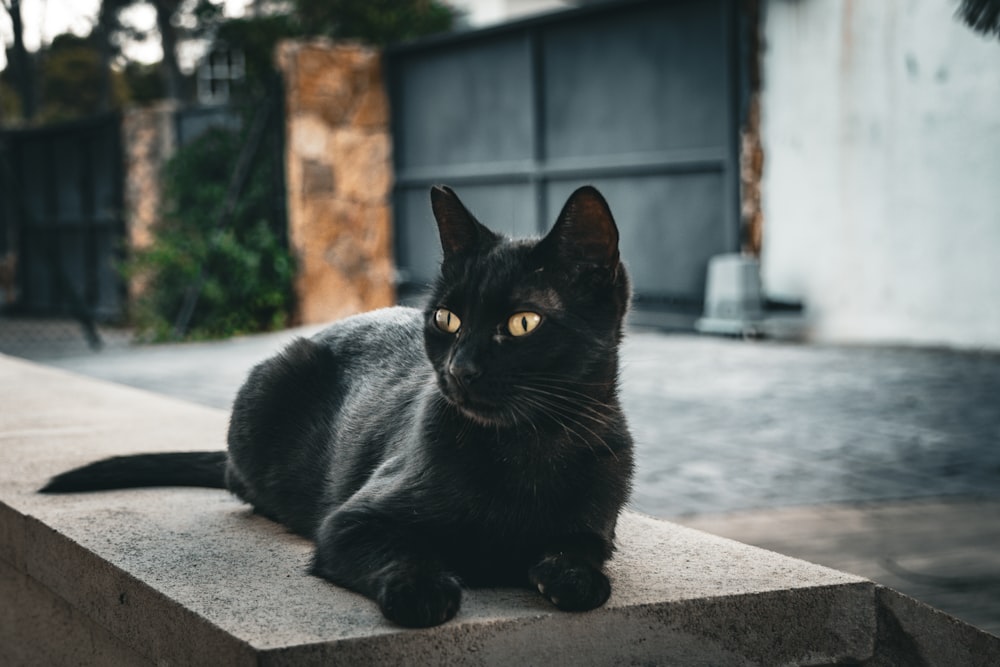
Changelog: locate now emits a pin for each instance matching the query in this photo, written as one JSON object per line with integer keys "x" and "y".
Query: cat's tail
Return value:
{"x": 206, "y": 469}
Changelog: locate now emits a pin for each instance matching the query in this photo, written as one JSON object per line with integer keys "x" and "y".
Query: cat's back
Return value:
{"x": 324, "y": 403}
{"x": 387, "y": 334}
{"x": 381, "y": 366}
{"x": 358, "y": 350}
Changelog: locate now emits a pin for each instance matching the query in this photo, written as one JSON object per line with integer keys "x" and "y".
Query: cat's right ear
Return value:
{"x": 585, "y": 232}
{"x": 460, "y": 232}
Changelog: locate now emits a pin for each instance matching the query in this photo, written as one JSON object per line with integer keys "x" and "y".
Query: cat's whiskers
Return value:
{"x": 562, "y": 388}
{"x": 558, "y": 389}
{"x": 522, "y": 416}
{"x": 546, "y": 403}
{"x": 462, "y": 432}
{"x": 560, "y": 379}
{"x": 574, "y": 402}
{"x": 570, "y": 415}
{"x": 573, "y": 434}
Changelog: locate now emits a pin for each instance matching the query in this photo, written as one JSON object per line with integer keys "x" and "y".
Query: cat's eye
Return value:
{"x": 524, "y": 323}
{"x": 447, "y": 321}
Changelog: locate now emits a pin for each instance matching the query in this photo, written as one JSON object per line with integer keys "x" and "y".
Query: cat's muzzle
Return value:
{"x": 471, "y": 395}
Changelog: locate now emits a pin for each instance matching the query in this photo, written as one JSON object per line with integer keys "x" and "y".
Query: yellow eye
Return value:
{"x": 447, "y": 321}
{"x": 521, "y": 324}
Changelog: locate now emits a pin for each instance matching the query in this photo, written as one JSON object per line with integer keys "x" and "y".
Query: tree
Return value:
{"x": 143, "y": 82}
{"x": 256, "y": 37}
{"x": 371, "y": 21}
{"x": 20, "y": 62}
{"x": 73, "y": 79}
{"x": 172, "y": 78}
{"x": 112, "y": 32}
{"x": 10, "y": 103}
{"x": 243, "y": 269}
{"x": 377, "y": 22}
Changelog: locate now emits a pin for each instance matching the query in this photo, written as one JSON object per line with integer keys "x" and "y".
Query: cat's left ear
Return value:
{"x": 585, "y": 232}
{"x": 460, "y": 232}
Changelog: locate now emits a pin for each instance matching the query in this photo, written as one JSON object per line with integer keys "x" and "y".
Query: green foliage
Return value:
{"x": 71, "y": 80}
{"x": 10, "y": 103}
{"x": 246, "y": 267}
{"x": 377, "y": 22}
{"x": 256, "y": 37}
{"x": 144, "y": 82}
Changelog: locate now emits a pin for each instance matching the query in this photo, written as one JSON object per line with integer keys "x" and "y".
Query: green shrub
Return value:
{"x": 245, "y": 268}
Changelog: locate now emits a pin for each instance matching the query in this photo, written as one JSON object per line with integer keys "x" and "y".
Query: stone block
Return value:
{"x": 317, "y": 178}
{"x": 360, "y": 158}
{"x": 372, "y": 108}
{"x": 148, "y": 141}
{"x": 38, "y": 627}
{"x": 308, "y": 137}
{"x": 912, "y": 633}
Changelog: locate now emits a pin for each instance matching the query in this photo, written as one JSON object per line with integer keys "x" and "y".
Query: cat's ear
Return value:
{"x": 460, "y": 232}
{"x": 585, "y": 232}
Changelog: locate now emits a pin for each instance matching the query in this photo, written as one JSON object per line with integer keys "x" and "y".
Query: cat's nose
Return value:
{"x": 464, "y": 372}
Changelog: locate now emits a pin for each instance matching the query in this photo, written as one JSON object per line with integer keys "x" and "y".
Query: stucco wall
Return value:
{"x": 881, "y": 191}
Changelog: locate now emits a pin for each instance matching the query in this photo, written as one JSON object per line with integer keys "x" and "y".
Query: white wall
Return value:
{"x": 881, "y": 191}
{"x": 480, "y": 13}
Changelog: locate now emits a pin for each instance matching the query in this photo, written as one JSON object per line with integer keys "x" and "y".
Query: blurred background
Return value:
{"x": 808, "y": 193}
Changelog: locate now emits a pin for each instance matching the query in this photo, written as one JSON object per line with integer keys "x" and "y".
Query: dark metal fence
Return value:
{"x": 61, "y": 222}
{"x": 639, "y": 98}
{"x": 62, "y": 227}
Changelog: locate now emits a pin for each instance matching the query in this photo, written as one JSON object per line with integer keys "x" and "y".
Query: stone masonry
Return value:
{"x": 339, "y": 177}
{"x": 148, "y": 141}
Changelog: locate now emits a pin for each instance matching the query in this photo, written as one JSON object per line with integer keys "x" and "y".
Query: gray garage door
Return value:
{"x": 637, "y": 98}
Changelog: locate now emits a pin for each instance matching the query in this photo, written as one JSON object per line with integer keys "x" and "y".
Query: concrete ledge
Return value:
{"x": 191, "y": 576}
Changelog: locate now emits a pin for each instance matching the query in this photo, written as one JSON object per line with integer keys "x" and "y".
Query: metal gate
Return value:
{"x": 637, "y": 98}
{"x": 61, "y": 217}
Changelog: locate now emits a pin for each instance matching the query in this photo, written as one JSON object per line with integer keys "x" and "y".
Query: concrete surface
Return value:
{"x": 781, "y": 439}
{"x": 191, "y": 576}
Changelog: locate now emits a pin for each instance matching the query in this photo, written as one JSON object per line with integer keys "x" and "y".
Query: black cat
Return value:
{"x": 479, "y": 442}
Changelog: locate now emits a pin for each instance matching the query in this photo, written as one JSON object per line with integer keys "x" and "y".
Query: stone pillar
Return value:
{"x": 148, "y": 140}
{"x": 339, "y": 177}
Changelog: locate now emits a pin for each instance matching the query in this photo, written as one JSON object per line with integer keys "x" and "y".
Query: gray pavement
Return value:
{"x": 728, "y": 425}
{"x": 942, "y": 550}
{"x": 800, "y": 448}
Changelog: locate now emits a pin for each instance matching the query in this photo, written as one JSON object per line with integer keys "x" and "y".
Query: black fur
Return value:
{"x": 419, "y": 460}
{"x": 139, "y": 470}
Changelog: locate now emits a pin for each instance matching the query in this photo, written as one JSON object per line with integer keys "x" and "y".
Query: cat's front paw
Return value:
{"x": 570, "y": 583}
{"x": 420, "y": 600}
